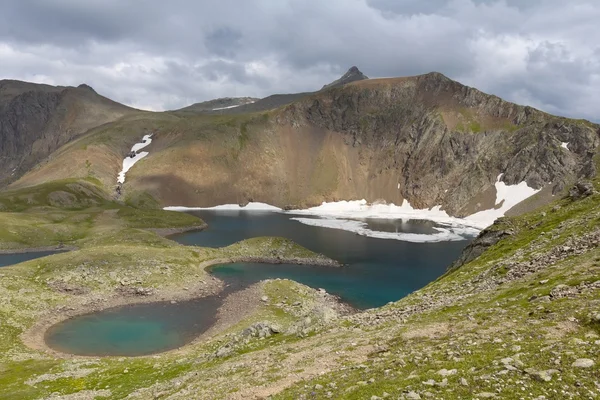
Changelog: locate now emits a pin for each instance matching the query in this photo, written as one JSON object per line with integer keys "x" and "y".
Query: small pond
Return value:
{"x": 11, "y": 259}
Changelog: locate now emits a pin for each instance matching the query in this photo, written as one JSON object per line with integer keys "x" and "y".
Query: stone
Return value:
{"x": 223, "y": 351}
{"x": 583, "y": 363}
{"x": 318, "y": 387}
{"x": 412, "y": 396}
{"x": 264, "y": 299}
{"x": 446, "y": 372}
{"x": 542, "y": 376}
{"x": 581, "y": 190}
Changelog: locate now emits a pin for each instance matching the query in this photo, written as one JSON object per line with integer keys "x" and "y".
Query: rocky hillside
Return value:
{"x": 35, "y": 120}
{"x": 444, "y": 143}
{"x": 426, "y": 138}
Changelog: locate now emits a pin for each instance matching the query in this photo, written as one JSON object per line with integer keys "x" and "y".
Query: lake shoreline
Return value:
{"x": 35, "y": 336}
{"x": 166, "y": 232}
{"x": 38, "y": 249}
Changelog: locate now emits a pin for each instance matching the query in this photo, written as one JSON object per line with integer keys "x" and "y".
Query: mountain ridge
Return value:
{"x": 37, "y": 119}
{"x": 426, "y": 139}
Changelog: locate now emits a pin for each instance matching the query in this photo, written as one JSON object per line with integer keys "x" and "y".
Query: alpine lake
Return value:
{"x": 375, "y": 272}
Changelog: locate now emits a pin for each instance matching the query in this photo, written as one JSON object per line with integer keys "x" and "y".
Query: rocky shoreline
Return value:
{"x": 38, "y": 249}
{"x": 34, "y": 337}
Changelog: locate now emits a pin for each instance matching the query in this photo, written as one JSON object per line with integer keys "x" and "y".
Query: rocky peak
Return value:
{"x": 353, "y": 74}
{"x": 87, "y": 87}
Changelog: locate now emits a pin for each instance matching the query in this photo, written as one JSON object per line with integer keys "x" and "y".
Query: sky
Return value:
{"x": 160, "y": 55}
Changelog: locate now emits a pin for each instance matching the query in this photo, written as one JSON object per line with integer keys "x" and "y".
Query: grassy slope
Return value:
{"x": 489, "y": 320}
{"x": 64, "y": 212}
{"x": 112, "y": 249}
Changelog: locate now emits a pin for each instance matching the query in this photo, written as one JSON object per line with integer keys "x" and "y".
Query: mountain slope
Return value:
{"x": 427, "y": 139}
{"x": 224, "y": 103}
{"x": 35, "y": 120}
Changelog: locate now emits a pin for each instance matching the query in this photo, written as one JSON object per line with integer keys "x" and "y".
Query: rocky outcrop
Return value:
{"x": 486, "y": 239}
{"x": 352, "y": 75}
{"x": 35, "y": 120}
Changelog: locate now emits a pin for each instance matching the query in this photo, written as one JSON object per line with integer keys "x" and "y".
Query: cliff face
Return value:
{"x": 35, "y": 120}
{"x": 446, "y": 143}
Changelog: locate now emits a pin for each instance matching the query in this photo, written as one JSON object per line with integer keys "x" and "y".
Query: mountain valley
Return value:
{"x": 515, "y": 316}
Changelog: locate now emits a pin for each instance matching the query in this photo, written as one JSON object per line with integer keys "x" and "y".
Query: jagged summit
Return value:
{"x": 353, "y": 74}
{"x": 86, "y": 86}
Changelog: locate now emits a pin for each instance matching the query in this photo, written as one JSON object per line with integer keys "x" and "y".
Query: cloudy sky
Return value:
{"x": 157, "y": 54}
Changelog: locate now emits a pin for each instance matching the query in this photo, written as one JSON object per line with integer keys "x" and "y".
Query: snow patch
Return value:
{"x": 444, "y": 234}
{"x": 129, "y": 162}
{"x": 347, "y": 215}
{"x": 225, "y": 108}
{"x": 507, "y": 196}
{"x": 254, "y": 206}
{"x": 564, "y": 145}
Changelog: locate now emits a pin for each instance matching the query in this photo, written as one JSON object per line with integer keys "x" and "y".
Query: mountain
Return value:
{"x": 35, "y": 120}
{"x": 426, "y": 139}
{"x": 352, "y": 75}
{"x": 223, "y": 103}
{"x": 269, "y": 102}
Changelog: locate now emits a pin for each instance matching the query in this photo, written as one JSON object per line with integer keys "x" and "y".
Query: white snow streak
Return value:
{"x": 254, "y": 206}
{"x": 564, "y": 145}
{"x": 128, "y": 162}
{"x": 225, "y": 108}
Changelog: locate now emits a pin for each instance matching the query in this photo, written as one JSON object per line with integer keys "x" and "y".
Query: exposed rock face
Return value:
{"x": 352, "y": 75}
{"x": 487, "y": 238}
{"x": 36, "y": 119}
{"x": 581, "y": 189}
{"x": 446, "y": 143}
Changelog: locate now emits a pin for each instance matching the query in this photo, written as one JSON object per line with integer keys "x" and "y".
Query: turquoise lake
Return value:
{"x": 375, "y": 272}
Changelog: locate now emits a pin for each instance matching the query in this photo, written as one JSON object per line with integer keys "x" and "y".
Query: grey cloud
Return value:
{"x": 162, "y": 55}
